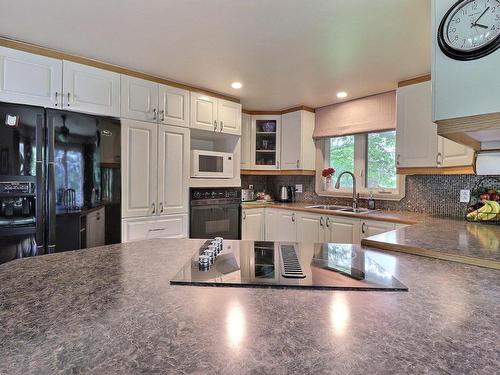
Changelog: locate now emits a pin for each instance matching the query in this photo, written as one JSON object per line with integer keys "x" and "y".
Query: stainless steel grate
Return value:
{"x": 290, "y": 265}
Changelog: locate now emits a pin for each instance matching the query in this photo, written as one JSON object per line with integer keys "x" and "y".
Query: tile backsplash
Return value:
{"x": 430, "y": 194}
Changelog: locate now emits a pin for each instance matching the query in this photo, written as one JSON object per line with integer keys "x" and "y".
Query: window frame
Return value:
{"x": 360, "y": 171}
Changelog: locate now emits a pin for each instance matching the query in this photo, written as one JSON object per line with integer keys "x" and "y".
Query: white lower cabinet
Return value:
{"x": 168, "y": 226}
{"x": 372, "y": 227}
{"x": 95, "y": 228}
{"x": 281, "y": 225}
{"x": 341, "y": 230}
{"x": 252, "y": 224}
{"x": 310, "y": 227}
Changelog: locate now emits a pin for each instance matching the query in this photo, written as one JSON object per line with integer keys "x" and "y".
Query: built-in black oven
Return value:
{"x": 215, "y": 212}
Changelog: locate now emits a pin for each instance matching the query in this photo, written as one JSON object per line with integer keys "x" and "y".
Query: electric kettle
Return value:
{"x": 286, "y": 193}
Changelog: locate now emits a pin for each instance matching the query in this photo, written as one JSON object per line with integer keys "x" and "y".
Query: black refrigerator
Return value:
{"x": 59, "y": 181}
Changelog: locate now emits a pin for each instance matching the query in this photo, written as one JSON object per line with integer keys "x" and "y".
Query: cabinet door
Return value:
{"x": 139, "y": 99}
{"x": 203, "y": 112}
{"x": 229, "y": 117}
{"x": 291, "y": 140}
{"x": 371, "y": 228}
{"x": 310, "y": 227}
{"x": 252, "y": 227}
{"x": 286, "y": 226}
{"x": 266, "y": 142}
{"x": 31, "y": 79}
{"x": 342, "y": 230}
{"x": 170, "y": 226}
{"x": 452, "y": 154}
{"x": 173, "y": 169}
{"x": 416, "y": 135}
{"x": 270, "y": 231}
{"x": 246, "y": 139}
{"x": 174, "y": 106}
{"x": 139, "y": 166}
{"x": 91, "y": 90}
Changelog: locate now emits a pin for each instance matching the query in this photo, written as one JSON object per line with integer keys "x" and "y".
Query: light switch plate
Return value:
{"x": 464, "y": 196}
{"x": 298, "y": 188}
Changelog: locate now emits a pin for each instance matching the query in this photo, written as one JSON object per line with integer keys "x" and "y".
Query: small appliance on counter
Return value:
{"x": 247, "y": 195}
{"x": 286, "y": 194}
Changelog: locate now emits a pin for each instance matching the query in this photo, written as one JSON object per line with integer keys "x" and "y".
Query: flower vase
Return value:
{"x": 328, "y": 183}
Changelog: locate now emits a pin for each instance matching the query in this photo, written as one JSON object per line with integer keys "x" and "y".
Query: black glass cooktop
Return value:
{"x": 293, "y": 265}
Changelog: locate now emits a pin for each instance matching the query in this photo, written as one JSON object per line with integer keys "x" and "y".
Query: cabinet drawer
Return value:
{"x": 170, "y": 226}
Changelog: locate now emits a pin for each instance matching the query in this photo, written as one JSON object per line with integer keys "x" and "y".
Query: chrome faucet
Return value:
{"x": 354, "y": 195}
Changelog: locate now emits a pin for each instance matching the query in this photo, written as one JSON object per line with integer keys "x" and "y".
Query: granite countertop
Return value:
{"x": 440, "y": 237}
{"x": 111, "y": 310}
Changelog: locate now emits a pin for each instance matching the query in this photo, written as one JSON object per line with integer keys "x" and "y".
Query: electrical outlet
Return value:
{"x": 250, "y": 187}
{"x": 298, "y": 188}
{"x": 464, "y": 196}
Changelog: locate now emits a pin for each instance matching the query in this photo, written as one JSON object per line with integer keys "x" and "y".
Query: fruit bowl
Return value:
{"x": 484, "y": 203}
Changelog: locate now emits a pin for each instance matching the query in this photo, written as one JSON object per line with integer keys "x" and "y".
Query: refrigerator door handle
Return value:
{"x": 40, "y": 209}
{"x": 51, "y": 209}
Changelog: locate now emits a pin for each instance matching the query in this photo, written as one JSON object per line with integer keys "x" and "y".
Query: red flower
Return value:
{"x": 328, "y": 172}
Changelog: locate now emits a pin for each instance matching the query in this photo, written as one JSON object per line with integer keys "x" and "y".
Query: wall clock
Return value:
{"x": 470, "y": 29}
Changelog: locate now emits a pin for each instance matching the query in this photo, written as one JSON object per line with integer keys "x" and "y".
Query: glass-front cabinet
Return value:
{"x": 266, "y": 141}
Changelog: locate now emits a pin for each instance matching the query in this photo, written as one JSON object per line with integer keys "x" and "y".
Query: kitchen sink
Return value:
{"x": 329, "y": 207}
{"x": 356, "y": 210}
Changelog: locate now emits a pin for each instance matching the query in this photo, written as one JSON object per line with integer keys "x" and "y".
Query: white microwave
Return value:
{"x": 211, "y": 164}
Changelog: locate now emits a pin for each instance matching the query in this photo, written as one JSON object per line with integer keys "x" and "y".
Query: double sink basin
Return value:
{"x": 340, "y": 208}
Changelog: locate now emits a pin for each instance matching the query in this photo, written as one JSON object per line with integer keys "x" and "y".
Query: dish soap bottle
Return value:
{"x": 371, "y": 202}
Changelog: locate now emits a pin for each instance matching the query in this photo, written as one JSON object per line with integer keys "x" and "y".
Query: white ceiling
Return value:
{"x": 285, "y": 52}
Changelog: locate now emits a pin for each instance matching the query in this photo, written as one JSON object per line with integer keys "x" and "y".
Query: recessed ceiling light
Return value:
{"x": 236, "y": 85}
{"x": 341, "y": 94}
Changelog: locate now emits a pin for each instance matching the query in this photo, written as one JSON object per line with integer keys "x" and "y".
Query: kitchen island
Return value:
{"x": 112, "y": 310}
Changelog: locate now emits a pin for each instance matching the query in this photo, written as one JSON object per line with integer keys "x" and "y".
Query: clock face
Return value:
{"x": 470, "y": 29}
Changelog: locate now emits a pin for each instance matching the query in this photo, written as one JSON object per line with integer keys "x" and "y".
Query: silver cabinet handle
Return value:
{"x": 298, "y": 163}
{"x": 162, "y": 115}
{"x": 215, "y": 126}
{"x": 321, "y": 221}
{"x": 293, "y": 217}
{"x": 69, "y": 96}
{"x": 438, "y": 158}
{"x": 221, "y": 126}
{"x": 154, "y": 113}
{"x": 161, "y": 207}
{"x": 244, "y": 215}
{"x": 363, "y": 226}
{"x": 278, "y": 164}
{"x": 397, "y": 159}
{"x": 154, "y": 208}
{"x": 328, "y": 222}
{"x": 57, "y": 94}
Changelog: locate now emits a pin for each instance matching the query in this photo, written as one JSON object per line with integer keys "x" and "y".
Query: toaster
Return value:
{"x": 247, "y": 195}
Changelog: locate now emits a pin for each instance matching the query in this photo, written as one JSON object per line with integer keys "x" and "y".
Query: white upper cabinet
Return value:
{"x": 31, "y": 79}
{"x": 173, "y": 106}
{"x": 417, "y": 142}
{"x": 265, "y": 141}
{"x": 416, "y": 134}
{"x": 139, "y": 99}
{"x": 453, "y": 154}
{"x": 173, "y": 167}
{"x": 229, "y": 117}
{"x": 139, "y": 168}
{"x": 91, "y": 90}
{"x": 246, "y": 138}
{"x": 203, "y": 112}
{"x": 215, "y": 115}
{"x": 297, "y": 144}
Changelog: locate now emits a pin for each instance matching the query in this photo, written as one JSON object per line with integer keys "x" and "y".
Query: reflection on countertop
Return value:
{"x": 446, "y": 238}
{"x": 111, "y": 310}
